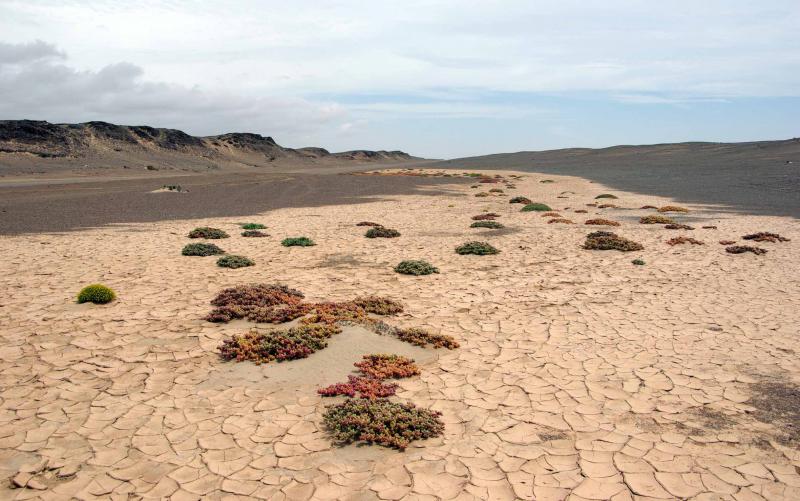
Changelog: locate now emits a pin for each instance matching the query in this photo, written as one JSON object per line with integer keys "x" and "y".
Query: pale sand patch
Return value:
{"x": 578, "y": 373}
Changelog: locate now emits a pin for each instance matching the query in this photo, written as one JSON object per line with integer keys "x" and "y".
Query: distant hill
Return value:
{"x": 110, "y": 145}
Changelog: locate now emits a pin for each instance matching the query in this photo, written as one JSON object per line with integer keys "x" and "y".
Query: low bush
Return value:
{"x": 382, "y": 422}
{"x": 605, "y": 240}
{"x": 97, "y": 294}
{"x": 253, "y": 226}
{"x": 234, "y": 262}
{"x": 605, "y": 195}
{"x": 709, "y": 227}
{"x": 477, "y": 248}
{"x": 492, "y": 225}
{"x": 365, "y": 387}
{"x": 763, "y": 236}
{"x": 684, "y": 240}
{"x": 200, "y": 249}
{"x": 417, "y": 267}
{"x": 648, "y": 207}
{"x": 378, "y": 305}
{"x": 741, "y": 249}
{"x": 368, "y": 223}
{"x": 421, "y": 337}
{"x": 638, "y": 262}
{"x": 560, "y": 220}
{"x": 607, "y": 206}
{"x": 581, "y": 211}
{"x": 277, "y": 345}
{"x": 672, "y": 208}
{"x": 254, "y": 234}
{"x": 495, "y": 190}
{"x": 536, "y": 207}
{"x": 482, "y": 194}
{"x": 520, "y": 200}
{"x": 385, "y": 366}
{"x": 551, "y": 214}
{"x": 485, "y": 217}
{"x": 258, "y": 303}
{"x": 656, "y": 220}
{"x": 547, "y": 181}
{"x": 601, "y": 222}
{"x": 208, "y": 233}
{"x": 297, "y": 242}
{"x": 381, "y": 232}
{"x": 676, "y": 226}
{"x": 727, "y": 242}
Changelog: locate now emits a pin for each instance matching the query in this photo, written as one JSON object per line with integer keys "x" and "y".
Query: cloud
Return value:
{"x": 35, "y": 83}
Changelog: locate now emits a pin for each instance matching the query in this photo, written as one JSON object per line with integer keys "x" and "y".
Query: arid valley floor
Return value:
{"x": 579, "y": 374}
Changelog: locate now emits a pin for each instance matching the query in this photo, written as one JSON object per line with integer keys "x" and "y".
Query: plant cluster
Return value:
{"x": 673, "y": 208}
{"x": 417, "y": 267}
{"x": 368, "y": 223}
{"x": 200, "y": 249}
{"x": 253, "y": 226}
{"x": 605, "y": 195}
{"x": 477, "y": 248}
{"x": 581, "y": 211}
{"x": 741, "y": 249}
{"x": 546, "y": 181}
{"x": 763, "y": 236}
{"x": 297, "y": 242}
{"x": 485, "y": 217}
{"x": 418, "y": 337}
{"x": 172, "y": 187}
{"x": 97, "y": 294}
{"x": 258, "y": 303}
{"x": 638, "y": 262}
{"x": 684, "y": 240}
{"x": 482, "y": 194}
{"x": 709, "y": 227}
{"x": 277, "y": 345}
{"x": 489, "y": 180}
{"x": 677, "y": 226}
{"x": 648, "y": 207}
{"x": 232, "y": 261}
{"x": 381, "y": 232}
{"x": 536, "y": 207}
{"x": 496, "y": 190}
{"x": 385, "y": 366}
{"x": 727, "y": 242}
{"x": 254, "y": 233}
{"x": 381, "y": 422}
{"x": 493, "y": 225}
{"x": 365, "y": 387}
{"x": 520, "y": 200}
{"x": 551, "y": 214}
{"x": 656, "y": 220}
{"x": 606, "y": 240}
{"x": 560, "y": 220}
{"x": 208, "y": 233}
{"x": 607, "y": 206}
{"x": 601, "y": 222}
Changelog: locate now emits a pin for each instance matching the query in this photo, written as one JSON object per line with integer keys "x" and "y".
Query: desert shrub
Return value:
{"x": 684, "y": 240}
{"x": 485, "y": 217}
{"x": 365, "y": 387}
{"x": 763, "y": 236}
{"x": 648, "y": 207}
{"x": 378, "y": 305}
{"x": 638, "y": 262}
{"x": 258, "y": 303}
{"x": 482, "y": 194}
{"x": 605, "y": 195}
{"x": 416, "y": 267}
{"x": 495, "y": 190}
{"x": 493, "y": 225}
{"x": 546, "y": 181}
{"x": 606, "y": 206}
{"x": 277, "y": 345}
{"x": 254, "y": 233}
{"x": 560, "y": 220}
{"x": 232, "y": 261}
{"x": 709, "y": 227}
{"x": 491, "y": 180}
{"x": 551, "y": 214}
{"x": 475, "y": 186}
{"x": 381, "y": 422}
{"x": 477, "y": 248}
{"x": 200, "y": 249}
{"x": 520, "y": 200}
{"x": 601, "y": 222}
{"x": 672, "y": 208}
{"x": 656, "y": 220}
{"x": 419, "y": 337}
{"x": 385, "y": 366}
{"x": 727, "y": 242}
{"x": 368, "y": 223}
{"x": 677, "y": 226}
{"x": 381, "y": 232}
{"x": 605, "y": 240}
{"x": 581, "y": 211}
{"x": 536, "y": 207}
{"x": 297, "y": 242}
{"x": 209, "y": 233}
{"x": 741, "y": 249}
{"x": 97, "y": 294}
{"x": 253, "y": 226}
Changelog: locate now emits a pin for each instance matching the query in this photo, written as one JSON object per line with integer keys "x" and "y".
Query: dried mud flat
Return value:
{"x": 579, "y": 376}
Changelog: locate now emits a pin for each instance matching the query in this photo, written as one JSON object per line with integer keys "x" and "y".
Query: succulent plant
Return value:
{"x": 253, "y": 226}
{"x": 601, "y": 222}
{"x": 741, "y": 249}
{"x": 200, "y": 249}
{"x": 673, "y": 208}
{"x": 277, "y": 345}
{"x": 605, "y": 195}
{"x": 477, "y": 248}
{"x": 297, "y": 242}
{"x": 488, "y": 216}
{"x": 561, "y": 220}
{"x": 492, "y": 225}
{"x": 520, "y": 200}
{"x": 368, "y": 223}
{"x": 536, "y": 207}
{"x": 676, "y": 226}
{"x": 605, "y": 240}
{"x": 365, "y": 387}
{"x": 97, "y": 294}
{"x": 638, "y": 262}
{"x": 254, "y": 233}
{"x": 381, "y": 232}
{"x": 656, "y": 220}
{"x": 232, "y": 261}
{"x": 415, "y": 267}
{"x": 208, "y": 233}
{"x": 684, "y": 240}
{"x": 763, "y": 236}
{"x": 386, "y": 366}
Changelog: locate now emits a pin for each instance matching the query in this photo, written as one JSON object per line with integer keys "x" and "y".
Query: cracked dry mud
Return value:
{"x": 580, "y": 376}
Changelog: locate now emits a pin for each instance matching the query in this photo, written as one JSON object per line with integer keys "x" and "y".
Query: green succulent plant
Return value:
{"x": 536, "y": 207}
{"x": 97, "y": 294}
{"x": 234, "y": 262}
{"x": 477, "y": 248}
{"x": 297, "y": 242}
{"x": 200, "y": 249}
{"x": 413, "y": 267}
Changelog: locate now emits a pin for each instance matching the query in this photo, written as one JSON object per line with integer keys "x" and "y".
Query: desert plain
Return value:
{"x": 578, "y": 375}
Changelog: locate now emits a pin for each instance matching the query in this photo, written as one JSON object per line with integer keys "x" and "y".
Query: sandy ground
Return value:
{"x": 579, "y": 376}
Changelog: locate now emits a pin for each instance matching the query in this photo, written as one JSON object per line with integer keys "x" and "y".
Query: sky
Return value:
{"x": 439, "y": 79}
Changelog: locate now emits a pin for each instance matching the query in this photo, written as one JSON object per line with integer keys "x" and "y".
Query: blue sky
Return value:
{"x": 436, "y": 78}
